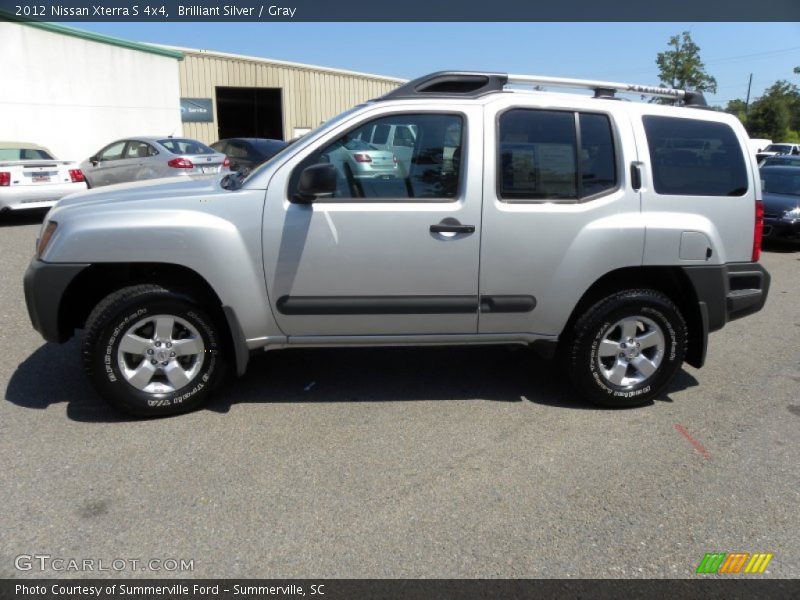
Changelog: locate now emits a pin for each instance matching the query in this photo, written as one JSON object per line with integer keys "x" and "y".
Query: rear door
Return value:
{"x": 558, "y": 211}
{"x": 382, "y": 256}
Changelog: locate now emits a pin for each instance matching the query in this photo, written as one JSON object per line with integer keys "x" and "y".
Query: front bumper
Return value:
{"x": 778, "y": 229}
{"x": 45, "y": 285}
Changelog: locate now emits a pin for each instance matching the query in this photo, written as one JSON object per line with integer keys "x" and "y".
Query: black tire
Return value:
{"x": 585, "y": 366}
{"x": 114, "y": 316}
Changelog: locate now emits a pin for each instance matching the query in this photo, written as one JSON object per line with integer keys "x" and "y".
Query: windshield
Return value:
{"x": 778, "y": 148}
{"x": 184, "y": 146}
{"x": 781, "y": 183}
{"x": 24, "y": 154}
{"x": 292, "y": 143}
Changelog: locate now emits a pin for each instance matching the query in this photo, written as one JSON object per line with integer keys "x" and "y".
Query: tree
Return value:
{"x": 737, "y": 107}
{"x": 680, "y": 66}
{"x": 776, "y": 114}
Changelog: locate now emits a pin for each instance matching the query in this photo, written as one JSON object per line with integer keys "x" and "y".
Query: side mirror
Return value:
{"x": 94, "y": 160}
{"x": 316, "y": 180}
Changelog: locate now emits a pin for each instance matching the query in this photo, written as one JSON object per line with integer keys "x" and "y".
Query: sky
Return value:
{"x": 623, "y": 52}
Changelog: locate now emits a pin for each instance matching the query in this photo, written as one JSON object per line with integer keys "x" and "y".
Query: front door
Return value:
{"x": 395, "y": 249}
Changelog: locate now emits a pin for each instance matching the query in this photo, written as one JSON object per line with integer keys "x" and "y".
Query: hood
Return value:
{"x": 779, "y": 203}
{"x": 150, "y": 189}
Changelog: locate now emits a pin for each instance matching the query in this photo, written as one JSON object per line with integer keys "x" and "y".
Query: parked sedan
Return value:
{"x": 781, "y": 193}
{"x": 141, "y": 158}
{"x": 361, "y": 160}
{"x": 30, "y": 177}
{"x": 246, "y": 154}
{"x": 778, "y": 149}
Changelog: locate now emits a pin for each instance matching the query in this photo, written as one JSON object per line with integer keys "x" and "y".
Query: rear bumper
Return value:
{"x": 25, "y": 197}
{"x": 45, "y": 284}
{"x": 728, "y": 292}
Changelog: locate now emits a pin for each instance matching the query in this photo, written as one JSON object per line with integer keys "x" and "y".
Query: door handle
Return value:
{"x": 636, "y": 176}
{"x": 452, "y": 228}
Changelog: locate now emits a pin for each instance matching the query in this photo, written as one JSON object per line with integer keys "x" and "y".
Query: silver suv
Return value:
{"x": 611, "y": 235}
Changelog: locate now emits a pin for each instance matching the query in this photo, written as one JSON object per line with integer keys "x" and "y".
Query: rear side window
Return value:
{"x": 555, "y": 155}
{"x": 690, "y": 157}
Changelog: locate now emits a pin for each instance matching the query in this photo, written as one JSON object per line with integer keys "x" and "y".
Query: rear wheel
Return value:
{"x": 150, "y": 351}
{"x": 626, "y": 348}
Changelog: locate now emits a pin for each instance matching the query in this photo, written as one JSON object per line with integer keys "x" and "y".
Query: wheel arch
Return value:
{"x": 99, "y": 280}
{"x": 671, "y": 281}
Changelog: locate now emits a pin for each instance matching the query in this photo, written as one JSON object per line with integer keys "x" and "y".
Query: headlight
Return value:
{"x": 44, "y": 239}
{"x": 792, "y": 215}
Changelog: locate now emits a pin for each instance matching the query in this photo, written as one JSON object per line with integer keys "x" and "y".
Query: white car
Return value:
{"x": 30, "y": 177}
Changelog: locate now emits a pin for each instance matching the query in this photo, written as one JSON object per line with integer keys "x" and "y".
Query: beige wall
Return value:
{"x": 310, "y": 95}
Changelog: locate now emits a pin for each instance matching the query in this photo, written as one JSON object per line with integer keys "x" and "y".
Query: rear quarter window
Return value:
{"x": 691, "y": 157}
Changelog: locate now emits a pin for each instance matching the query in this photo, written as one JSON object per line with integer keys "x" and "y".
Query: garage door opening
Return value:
{"x": 249, "y": 112}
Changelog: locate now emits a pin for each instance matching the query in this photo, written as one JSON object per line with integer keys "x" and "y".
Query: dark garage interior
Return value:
{"x": 249, "y": 112}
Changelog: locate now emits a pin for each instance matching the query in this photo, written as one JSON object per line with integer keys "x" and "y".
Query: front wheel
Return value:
{"x": 626, "y": 348}
{"x": 152, "y": 352}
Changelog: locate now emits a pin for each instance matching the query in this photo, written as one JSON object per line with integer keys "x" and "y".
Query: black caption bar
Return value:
{"x": 407, "y": 10}
{"x": 390, "y": 589}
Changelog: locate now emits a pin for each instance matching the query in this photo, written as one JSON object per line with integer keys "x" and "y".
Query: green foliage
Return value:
{"x": 680, "y": 66}
{"x": 776, "y": 114}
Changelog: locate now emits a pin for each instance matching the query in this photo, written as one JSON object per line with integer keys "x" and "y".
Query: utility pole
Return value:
{"x": 747, "y": 102}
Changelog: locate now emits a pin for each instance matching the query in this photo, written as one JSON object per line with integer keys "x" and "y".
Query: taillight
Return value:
{"x": 181, "y": 163}
{"x": 758, "y": 230}
{"x": 394, "y": 159}
{"x": 226, "y": 162}
{"x": 362, "y": 158}
{"x": 5, "y": 178}
{"x": 76, "y": 175}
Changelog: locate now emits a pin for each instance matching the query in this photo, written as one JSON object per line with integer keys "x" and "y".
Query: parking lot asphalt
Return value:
{"x": 438, "y": 462}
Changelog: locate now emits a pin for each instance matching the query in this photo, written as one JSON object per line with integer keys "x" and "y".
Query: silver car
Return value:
{"x": 359, "y": 159}
{"x": 598, "y": 232}
{"x": 30, "y": 177}
{"x": 140, "y": 158}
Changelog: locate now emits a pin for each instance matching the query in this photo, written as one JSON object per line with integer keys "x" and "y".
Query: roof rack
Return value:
{"x": 473, "y": 84}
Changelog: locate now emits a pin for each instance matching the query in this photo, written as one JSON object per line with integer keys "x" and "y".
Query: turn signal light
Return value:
{"x": 181, "y": 163}
{"x": 47, "y": 234}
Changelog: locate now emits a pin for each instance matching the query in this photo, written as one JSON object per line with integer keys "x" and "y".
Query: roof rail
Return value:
{"x": 472, "y": 84}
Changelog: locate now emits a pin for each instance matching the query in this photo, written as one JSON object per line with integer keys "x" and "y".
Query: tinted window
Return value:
{"x": 542, "y": 158}
{"x": 23, "y": 154}
{"x": 598, "y": 164}
{"x": 429, "y": 170}
{"x": 182, "y": 146}
{"x": 267, "y": 148}
{"x": 381, "y": 134}
{"x": 780, "y": 182}
{"x": 695, "y": 158}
